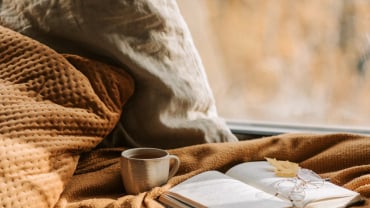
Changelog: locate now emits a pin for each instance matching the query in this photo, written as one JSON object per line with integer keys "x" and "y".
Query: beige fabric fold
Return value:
{"x": 173, "y": 104}
{"x": 344, "y": 158}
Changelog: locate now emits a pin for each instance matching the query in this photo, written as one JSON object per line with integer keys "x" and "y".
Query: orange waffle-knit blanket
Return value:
{"x": 344, "y": 158}
{"x": 52, "y": 108}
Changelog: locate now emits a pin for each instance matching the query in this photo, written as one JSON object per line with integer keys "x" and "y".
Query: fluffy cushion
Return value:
{"x": 50, "y": 112}
{"x": 173, "y": 104}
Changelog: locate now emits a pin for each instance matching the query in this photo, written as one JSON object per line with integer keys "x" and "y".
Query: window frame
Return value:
{"x": 248, "y": 129}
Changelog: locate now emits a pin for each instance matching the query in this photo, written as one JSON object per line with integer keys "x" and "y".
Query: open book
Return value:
{"x": 254, "y": 184}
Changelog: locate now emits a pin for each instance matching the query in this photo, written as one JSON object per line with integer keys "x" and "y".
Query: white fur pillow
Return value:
{"x": 173, "y": 104}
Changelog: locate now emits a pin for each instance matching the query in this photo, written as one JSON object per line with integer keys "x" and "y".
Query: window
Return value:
{"x": 286, "y": 62}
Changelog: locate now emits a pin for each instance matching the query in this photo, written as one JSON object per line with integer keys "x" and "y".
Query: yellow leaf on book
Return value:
{"x": 284, "y": 168}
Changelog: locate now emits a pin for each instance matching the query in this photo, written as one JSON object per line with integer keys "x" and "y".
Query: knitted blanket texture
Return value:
{"x": 52, "y": 108}
{"x": 344, "y": 158}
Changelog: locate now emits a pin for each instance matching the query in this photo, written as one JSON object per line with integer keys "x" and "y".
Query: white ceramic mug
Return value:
{"x": 145, "y": 168}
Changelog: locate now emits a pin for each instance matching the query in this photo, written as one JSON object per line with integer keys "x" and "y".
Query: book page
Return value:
{"x": 262, "y": 176}
{"x": 215, "y": 190}
{"x": 259, "y": 174}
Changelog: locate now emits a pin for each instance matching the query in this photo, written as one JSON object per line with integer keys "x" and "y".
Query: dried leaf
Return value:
{"x": 284, "y": 168}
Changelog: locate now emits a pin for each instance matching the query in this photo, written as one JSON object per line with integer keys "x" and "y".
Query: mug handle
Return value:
{"x": 175, "y": 166}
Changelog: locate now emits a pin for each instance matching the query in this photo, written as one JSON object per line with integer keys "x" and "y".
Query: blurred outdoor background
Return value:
{"x": 290, "y": 61}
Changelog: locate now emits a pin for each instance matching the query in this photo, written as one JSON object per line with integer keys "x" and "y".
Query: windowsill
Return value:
{"x": 259, "y": 129}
